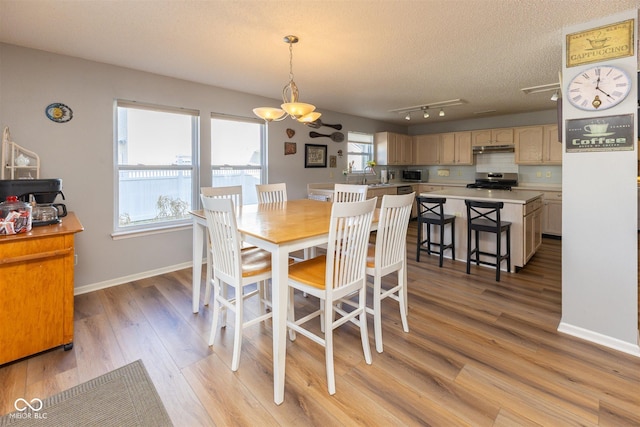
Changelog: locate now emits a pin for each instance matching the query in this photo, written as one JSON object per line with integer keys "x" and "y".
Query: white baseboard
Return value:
{"x": 607, "y": 341}
{"x": 120, "y": 280}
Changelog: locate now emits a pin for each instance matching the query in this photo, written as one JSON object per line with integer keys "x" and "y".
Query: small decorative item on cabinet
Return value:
{"x": 18, "y": 162}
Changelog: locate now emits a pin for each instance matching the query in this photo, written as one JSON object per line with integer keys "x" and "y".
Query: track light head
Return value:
{"x": 441, "y": 113}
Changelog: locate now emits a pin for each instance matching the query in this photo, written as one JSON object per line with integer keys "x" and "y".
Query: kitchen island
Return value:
{"x": 522, "y": 208}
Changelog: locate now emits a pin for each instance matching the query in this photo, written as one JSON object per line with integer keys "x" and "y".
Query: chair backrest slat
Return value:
{"x": 272, "y": 193}
{"x": 349, "y": 193}
{"x": 225, "y": 238}
{"x": 391, "y": 236}
{"x": 488, "y": 211}
{"x": 233, "y": 192}
{"x": 349, "y": 230}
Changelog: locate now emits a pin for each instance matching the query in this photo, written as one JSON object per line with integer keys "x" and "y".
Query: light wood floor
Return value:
{"x": 479, "y": 353}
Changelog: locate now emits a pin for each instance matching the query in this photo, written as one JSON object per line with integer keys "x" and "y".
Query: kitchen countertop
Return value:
{"x": 513, "y": 196}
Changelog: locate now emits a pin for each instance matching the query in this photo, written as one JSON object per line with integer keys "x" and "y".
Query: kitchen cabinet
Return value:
{"x": 551, "y": 147}
{"x": 427, "y": 149}
{"x": 537, "y": 145}
{"x": 393, "y": 148}
{"x": 455, "y": 148}
{"x": 552, "y": 213}
{"x": 36, "y": 308}
{"x": 528, "y": 145}
{"x": 379, "y": 192}
{"x": 532, "y": 237}
{"x": 486, "y": 137}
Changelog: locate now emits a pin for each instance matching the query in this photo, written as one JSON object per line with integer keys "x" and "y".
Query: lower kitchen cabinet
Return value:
{"x": 532, "y": 228}
{"x": 36, "y": 303}
{"x": 552, "y": 213}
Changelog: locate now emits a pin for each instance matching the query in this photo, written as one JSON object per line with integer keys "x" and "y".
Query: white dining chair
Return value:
{"x": 236, "y": 267}
{"x": 332, "y": 277}
{"x": 233, "y": 192}
{"x": 388, "y": 255}
{"x": 349, "y": 193}
{"x": 272, "y": 193}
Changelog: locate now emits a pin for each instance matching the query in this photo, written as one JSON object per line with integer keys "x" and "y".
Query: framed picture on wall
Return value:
{"x": 608, "y": 133}
{"x": 315, "y": 156}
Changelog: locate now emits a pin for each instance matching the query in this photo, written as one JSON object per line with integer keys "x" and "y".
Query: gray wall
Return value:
{"x": 81, "y": 151}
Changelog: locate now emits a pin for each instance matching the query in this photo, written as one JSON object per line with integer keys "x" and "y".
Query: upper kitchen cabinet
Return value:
{"x": 427, "y": 149}
{"x": 393, "y": 148}
{"x": 536, "y": 145}
{"x": 455, "y": 148}
{"x": 485, "y": 137}
{"x": 551, "y": 146}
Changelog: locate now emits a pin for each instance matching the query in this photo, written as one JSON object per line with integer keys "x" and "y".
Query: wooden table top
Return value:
{"x": 284, "y": 222}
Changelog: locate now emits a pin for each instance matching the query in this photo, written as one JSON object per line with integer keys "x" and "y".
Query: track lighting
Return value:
{"x": 554, "y": 97}
{"x": 424, "y": 108}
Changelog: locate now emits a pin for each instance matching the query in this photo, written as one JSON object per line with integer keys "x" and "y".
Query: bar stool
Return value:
{"x": 431, "y": 212}
{"x": 485, "y": 216}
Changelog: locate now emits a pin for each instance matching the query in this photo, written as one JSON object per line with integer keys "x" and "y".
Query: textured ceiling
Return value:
{"x": 360, "y": 57}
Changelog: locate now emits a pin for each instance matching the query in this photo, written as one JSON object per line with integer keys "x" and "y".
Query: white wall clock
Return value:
{"x": 598, "y": 88}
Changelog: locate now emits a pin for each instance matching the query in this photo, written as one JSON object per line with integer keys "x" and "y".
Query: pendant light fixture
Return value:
{"x": 296, "y": 110}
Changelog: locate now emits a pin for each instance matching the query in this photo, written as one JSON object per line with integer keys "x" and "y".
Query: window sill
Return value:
{"x": 150, "y": 231}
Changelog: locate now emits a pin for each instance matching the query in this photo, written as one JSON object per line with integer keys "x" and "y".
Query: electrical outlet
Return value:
{"x": 330, "y": 174}
{"x": 548, "y": 174}
{"x": 75, "y": 259}
{"x": 538, "y": 174}
{"x": 459, "y": 173}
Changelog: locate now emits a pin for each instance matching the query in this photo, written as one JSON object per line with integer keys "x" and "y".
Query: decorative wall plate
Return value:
{"x": 58, "y": 112}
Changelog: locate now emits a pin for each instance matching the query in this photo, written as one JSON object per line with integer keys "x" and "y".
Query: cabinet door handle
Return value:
{"x": 32, "y": 257}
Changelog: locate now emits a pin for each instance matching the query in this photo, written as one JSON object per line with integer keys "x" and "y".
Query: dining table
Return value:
{"x": 280, "y": 228}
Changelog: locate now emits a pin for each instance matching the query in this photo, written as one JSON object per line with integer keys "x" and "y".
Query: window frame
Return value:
{"x": 366, "y": 158}
{"x": 263, "y": 151}
{"x": 118, "y": 230}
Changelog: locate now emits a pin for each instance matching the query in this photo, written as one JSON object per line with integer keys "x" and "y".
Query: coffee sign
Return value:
{"x": 611, "y": 133}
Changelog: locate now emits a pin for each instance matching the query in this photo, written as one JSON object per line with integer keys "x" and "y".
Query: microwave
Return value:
{"x": 414, "y": 175}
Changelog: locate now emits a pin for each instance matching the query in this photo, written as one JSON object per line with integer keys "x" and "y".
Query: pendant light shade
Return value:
{"x": 299, "y": 111}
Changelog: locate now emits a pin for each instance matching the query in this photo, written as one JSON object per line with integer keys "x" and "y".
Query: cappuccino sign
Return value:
{"x": 600, "y": 44}
{"x": 612, "y": 133}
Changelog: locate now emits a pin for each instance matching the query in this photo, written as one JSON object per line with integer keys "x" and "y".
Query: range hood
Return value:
{"x": 508, "y": 148}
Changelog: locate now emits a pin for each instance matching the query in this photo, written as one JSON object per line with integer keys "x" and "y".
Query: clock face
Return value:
{"x": 599, "y": 88}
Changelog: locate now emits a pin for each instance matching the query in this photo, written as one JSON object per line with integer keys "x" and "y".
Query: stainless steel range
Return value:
{"x": 495, "y": 180}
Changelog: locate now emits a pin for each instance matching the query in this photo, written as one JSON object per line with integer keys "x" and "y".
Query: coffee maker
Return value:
{"x": 41, "y": 193}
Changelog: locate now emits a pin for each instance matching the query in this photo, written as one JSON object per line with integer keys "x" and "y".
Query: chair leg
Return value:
{"x": 224, "y": 288}
{"x": 419, "y": 241}
{"x": 469, "y": 251}
{"x": 377, "y": 312}
{"x": 237, "y": 336}
{"x": 509, "y": 248}
{"x": 429, "y": 238}
{"x": 477, "y": 247}
{"x": 453, "y": 239}
{"x": 292, "y": 314}
{"x": 328, "y": 348}
{"x": 216, "y": 310}
{"x": 362, "y": 320}
{"x": 207, "y": 289}
{"x": 441, "y": 243}
{"x": 402, "y": 298}
{"x": 498, "y": 254}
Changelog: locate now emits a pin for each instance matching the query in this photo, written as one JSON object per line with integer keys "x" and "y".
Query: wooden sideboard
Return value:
{"x": 36, "y": 289}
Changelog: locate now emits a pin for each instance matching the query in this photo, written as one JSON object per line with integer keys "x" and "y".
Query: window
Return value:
{"x": 156, "y": 150}
{"x": 237, "y": 154}
{"x": 359, "y": 149}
